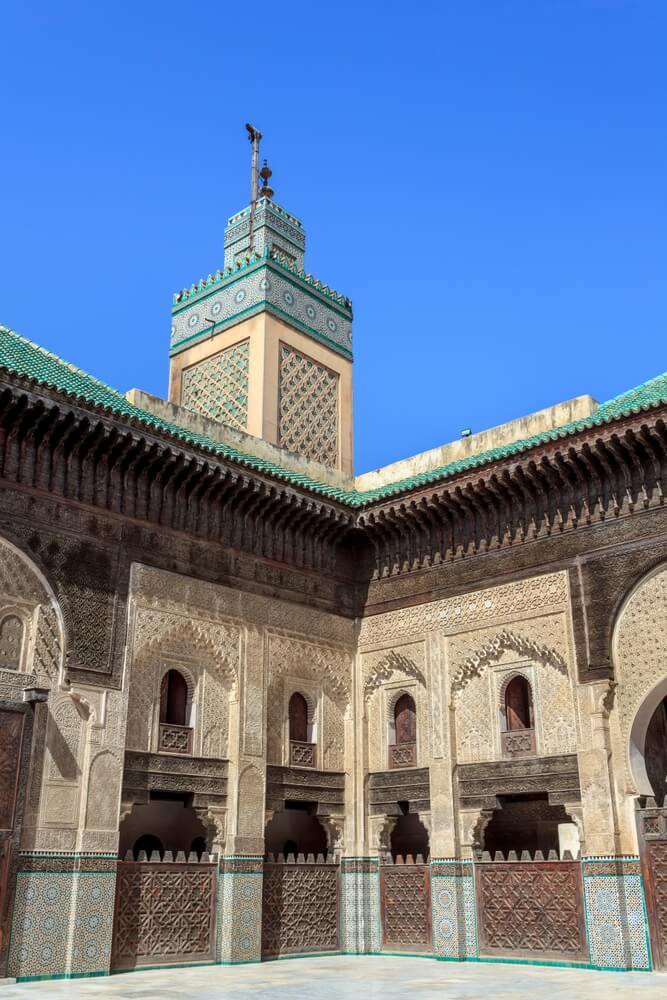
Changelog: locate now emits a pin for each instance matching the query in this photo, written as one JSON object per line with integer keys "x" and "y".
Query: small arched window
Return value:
{"x": 405, "y": 719}
{"x": 518, "y": 704}
{"x": 298, "y": 718}
{"x": 11, "y": 641}
{"x": 173, "y": 699}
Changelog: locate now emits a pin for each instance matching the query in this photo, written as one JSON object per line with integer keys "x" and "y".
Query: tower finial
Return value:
{"x": 265, "y": 173}
{"x": 255, "y": 136}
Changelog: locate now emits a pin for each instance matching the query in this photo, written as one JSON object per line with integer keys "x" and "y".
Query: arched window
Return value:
{"x": 298, "y": 718}
{"x": 403, "y": 750}
{"x": 173, "y": 699}
{"x": 302, "y": 748}
{"x": 405, "y": 719}
{"x": 11, "y": 640}
{"x": 518, "y": 704}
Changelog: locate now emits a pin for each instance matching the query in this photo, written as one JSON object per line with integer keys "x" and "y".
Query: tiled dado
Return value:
{"x": 453, "y": 909}
{"x": 360, "y": 918}
{"x": 62, "y": 919}
{"x": 240, "y": 909}
{"x": 616, "y": 921}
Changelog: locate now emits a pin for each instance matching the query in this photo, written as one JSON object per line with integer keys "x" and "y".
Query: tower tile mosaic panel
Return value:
{"x": 360, "y": 917}
{"x": 272, "y": 226}
{"x": 262, "y": 285}
{"x": 218, "y": 386}
{"x": 240, "y": 910}
{"x": 453, "y": 910}
{"x": 308, "y": 407}
{"x": 616, "y": 919}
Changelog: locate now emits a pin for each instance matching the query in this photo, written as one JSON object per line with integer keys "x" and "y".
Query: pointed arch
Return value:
{"x": 491, "y": 651}
{"x": 219, "y": 643}
{"x": 25, "y": 586}
{"x": 391, "y": 663}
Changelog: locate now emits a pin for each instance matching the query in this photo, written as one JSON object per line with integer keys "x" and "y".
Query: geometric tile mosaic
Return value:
{"x": 616, "y": 922}
{"x": 360, "y": 919}
{"x": 62, "y": 923}
{"x": 453, "y": 916}
{"x": 240, "y": 917}
{"x": 218, "y": 387}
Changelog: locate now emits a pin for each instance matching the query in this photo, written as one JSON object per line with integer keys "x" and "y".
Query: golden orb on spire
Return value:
{"x": 265, "y": 173}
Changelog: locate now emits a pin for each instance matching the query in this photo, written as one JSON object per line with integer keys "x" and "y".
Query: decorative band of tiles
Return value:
{"x": 360, "y": 866}
{"x": 66, "y": 862}
{"x": 237, "y": 865}
{"x": 610, "y": 866}
{"x": 451, "y": 867}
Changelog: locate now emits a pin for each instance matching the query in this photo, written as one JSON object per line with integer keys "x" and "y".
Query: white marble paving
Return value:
{"x": 354, "y": 978}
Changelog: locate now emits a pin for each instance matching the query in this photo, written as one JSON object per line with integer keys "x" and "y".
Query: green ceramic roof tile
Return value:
{"x": 24, "y": 358}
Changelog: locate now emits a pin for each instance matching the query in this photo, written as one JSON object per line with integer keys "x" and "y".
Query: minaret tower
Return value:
{"x": 262, "y": 346}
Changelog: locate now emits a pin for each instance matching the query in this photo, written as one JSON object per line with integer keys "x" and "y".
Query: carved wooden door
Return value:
{"x": 165, "y": 914}
{"x": 406, "y": 907}
{"x": 299, "y": 908}
{"x": 11, "y": 741}
{"x": 652, "y": 824}
{"x": 531, "y": 909}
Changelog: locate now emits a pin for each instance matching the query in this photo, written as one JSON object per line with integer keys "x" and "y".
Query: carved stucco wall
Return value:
{"x": 250, "y": 646}
{"x": 326, "y": 673}
{"x": 473, "y": 643}
{"x": 385, "y": 675}
{"x": 482, "y": 660}
{"x": 206, "y": 652}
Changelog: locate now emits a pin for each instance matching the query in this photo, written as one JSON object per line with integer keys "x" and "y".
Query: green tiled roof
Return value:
{"x": 24, "y": 358}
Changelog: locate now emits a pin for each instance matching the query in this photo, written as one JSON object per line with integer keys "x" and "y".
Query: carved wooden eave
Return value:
{"x": 598, "y": 474}
{"x": 54, "y": 445}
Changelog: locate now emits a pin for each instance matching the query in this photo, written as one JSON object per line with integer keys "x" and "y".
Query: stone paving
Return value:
{"x": 340, "y": 978}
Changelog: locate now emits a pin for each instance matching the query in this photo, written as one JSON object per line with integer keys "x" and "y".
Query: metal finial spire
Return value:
{"x": 254, "y": 135}
{"x": 265, "y": 173}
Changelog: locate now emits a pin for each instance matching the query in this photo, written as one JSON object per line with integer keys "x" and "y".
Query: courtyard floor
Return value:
{"x": 356, "y": 978}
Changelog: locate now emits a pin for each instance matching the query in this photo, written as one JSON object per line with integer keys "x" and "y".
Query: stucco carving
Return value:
{"x": 381, "y": 667}
{"x": 639, "y": 652}
{"x": 490, "y": 652}
{"x": 509, "y": 601}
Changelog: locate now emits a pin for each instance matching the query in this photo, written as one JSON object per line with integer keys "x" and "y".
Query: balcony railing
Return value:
{"x": 403, "y": 755}
{"x": 518, "y": 743}
{"x": 175, "y": 739}
{"x": 301, "y": 754}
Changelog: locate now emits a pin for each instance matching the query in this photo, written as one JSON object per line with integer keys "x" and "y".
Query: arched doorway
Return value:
{"x": 530, "y": 823}
{"x": 295, "y": 830}
{"x": 405, "y": 886}
{"x": 300, "y": 887}
{"x": 409, "y": 838}
{"x": 650, "y": 773}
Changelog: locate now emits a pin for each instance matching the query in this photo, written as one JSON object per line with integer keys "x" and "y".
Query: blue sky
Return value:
{"x": 485, "y": 180}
